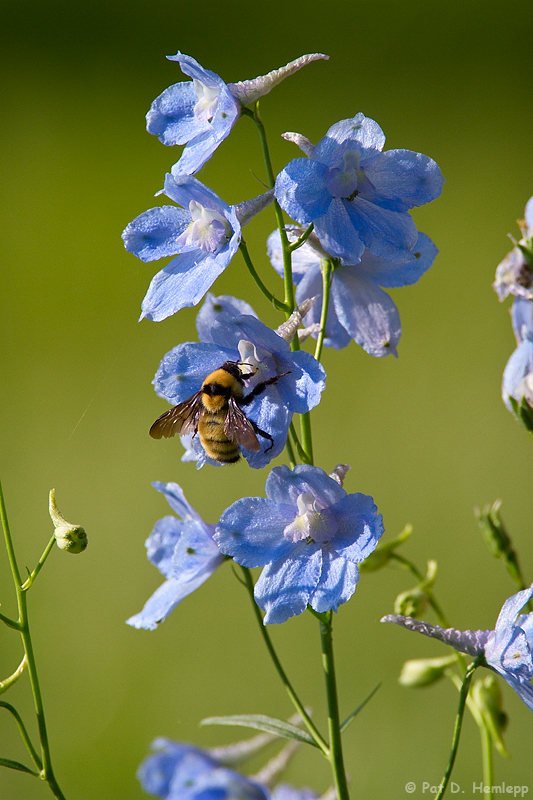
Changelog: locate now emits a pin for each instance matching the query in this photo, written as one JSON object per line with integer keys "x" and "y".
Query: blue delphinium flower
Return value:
{"x": 506, "y": 649}
{"x": 308, "y": 534}
{"x": 518, "y": 374}
{"x": 359, "y": 309}
{"x": 514, "y": 275}
{"x": 180, "y": 771}
{"x": 205, "y": 233}
{"x": 184, "y": 552}
{"x": 247, "y": 341}
{"x": 355, "y": 195}
{"x": 203, "y": 112}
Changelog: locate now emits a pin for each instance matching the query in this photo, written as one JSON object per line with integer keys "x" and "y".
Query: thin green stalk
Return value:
{"x": 253, "y": 272}
{"x": 290, "y": 453}
{"x": 463, "y": 694}
{"x": 301, "y": 452}
{"x": 24, "y": 734}
{"x": 313, "y": 731}
{"x": 47, "y": 772}
{"x": 486, "y": 755}
{"x": 334, "y": 723}
{"x": 31, "y": 577}
{"x": 327, "y": 268}
{"x": 302, "y": 239}
{"x": 418, "y": 575}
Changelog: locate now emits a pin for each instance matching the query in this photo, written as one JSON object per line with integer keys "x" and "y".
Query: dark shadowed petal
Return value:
{"x": 389, "y": 234}
{"x": 366, "y": 312}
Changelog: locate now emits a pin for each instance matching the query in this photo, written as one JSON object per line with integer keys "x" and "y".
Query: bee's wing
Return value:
{"x": 183, "y": 419}
{"x": 238, "y": 428}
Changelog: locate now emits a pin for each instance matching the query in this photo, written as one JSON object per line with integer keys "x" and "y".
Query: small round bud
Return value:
{"x": 69, "y": 537}
{"x": 411, "y": 603}
{"x": 424, "y": 671}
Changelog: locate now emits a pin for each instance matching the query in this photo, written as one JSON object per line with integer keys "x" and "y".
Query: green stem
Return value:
{"x": 327, "y": 268}
{"x": 47, "y": 772}
{"x": 334, "y": 725}
{"x": 301, "y": 452}
{"x": 303, "y": 238}
{"x": 31, "y": 577}
{"x": 432, "y": 602}
{"x": 253, "y": 272}
{"x": 290, "y": 453}
{"x": 24, "y": 734}
{"x": 486, "y": 755}
{"x": 313, "y": 731}
{"x": 463, "y": 694}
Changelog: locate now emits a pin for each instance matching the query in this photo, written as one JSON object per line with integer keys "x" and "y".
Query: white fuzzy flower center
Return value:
{"x": 207, "y": 102}
{"x": 207, "y": 230}
{"x": 347, "y": 179}
{"x": 312, "y": 522}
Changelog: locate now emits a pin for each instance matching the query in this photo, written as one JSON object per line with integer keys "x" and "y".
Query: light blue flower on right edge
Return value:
{"x": 308, "y": 534}
{"x": 506, "y": 649}
{"x": 518, "y": 374}
{"x": 359, "y": 309}
{"x": 356, "y": 195}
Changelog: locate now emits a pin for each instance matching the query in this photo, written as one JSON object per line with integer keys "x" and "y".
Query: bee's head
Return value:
{"x": 235, "y": 368}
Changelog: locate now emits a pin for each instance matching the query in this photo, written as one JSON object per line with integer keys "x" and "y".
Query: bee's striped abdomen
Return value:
{"x": 214, "y": 441}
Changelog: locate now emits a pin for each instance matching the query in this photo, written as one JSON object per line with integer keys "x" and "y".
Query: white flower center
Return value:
{"x": 347, "y": 179}
{"x": 312, "y": 522}
{"x": 207, "y": 230}
{"x": 525, "y": 389}
{"x": 207, "y": 102}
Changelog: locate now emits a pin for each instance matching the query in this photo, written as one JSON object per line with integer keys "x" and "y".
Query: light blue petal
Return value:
{"x": 183, "y": 370}
{"x": 519, "y": 365}
{"x": 153, "y": 234}
{"x": 285, "y": 587}
{"x": 337, "y": 581}
{"x": 301, "y": 190}
{"x": 523, "y": 689}
{"x": 511, "y": 608}
{"x": 251, "y": 531}
{"x": 196, "y": 552}
{"x": 171, "y": 115}
{"x": 356, "y": 133}
{"x": 360, "y": 526}
{"x": 389, "y": 234}
{"x": 366, "y": 312}
{"x": 156, "y": 771}
{"x": 269, "y": 414}
{"x": 390, "y": 275}
{"x": 183, "y": 283}
{"x": 301, "y": 389}
{"x": 190, "y": 66}
{"x": 403, "y": 179}
{"x": 213, "y": 306}
{"x": 338, "y": 234}
{"x": 162, "y": 542}
{"x": 284, "y": 485}
{"x": 184, "y": 188}
{"x": 165, "y": 599}
{"x": 177, "y": 500}
{"x": 229, "y": 333}
{"x": 522, "y": 317}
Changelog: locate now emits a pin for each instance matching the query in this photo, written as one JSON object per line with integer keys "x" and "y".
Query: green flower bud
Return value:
{"x": 496, "y": 537}
{"x": 384, "y": 552}
{"x": 69, "y": 537}
{"x": 411, "y": 603}
{"x": 424, "y": 671}
{"x": 487, "y": 696}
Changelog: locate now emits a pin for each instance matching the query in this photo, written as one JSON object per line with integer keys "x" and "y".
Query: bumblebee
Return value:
{"x": 215, "y": 414}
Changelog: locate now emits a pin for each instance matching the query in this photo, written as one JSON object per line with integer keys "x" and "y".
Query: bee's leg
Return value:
{"x": 259, "y": 389}
{"x": 264, "y": 434}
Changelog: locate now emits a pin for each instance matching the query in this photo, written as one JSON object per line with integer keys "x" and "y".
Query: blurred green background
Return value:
{"x": 427, "y": 435}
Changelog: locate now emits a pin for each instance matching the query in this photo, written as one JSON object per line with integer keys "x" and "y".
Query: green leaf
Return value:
{"x": 6, "y": 762}
{"x": 263, "y": 723}
{"x": 352, "y": 716}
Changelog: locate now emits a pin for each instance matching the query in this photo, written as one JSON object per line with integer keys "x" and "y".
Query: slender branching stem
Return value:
{"x": 309, "y": 724}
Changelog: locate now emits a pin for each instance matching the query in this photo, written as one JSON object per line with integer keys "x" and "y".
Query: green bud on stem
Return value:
{"x": 69, "y": 537}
